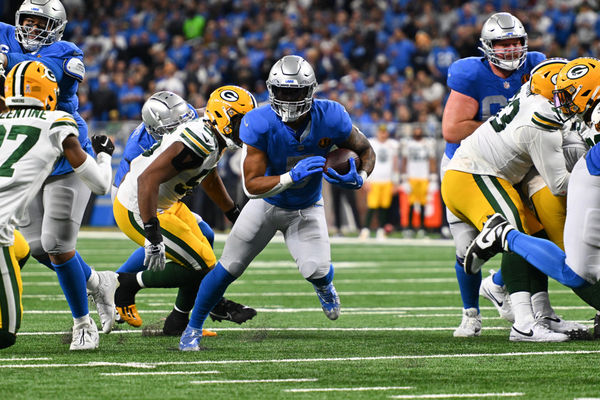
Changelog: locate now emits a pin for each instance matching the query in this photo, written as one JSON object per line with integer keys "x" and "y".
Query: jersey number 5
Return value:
{"x": 31, "y": 134}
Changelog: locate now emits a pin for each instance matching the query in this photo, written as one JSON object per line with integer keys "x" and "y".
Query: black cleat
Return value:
{"x": 227, "y": 310}
{"x": 490, "y": 241}
{"x": 176, "y": 323}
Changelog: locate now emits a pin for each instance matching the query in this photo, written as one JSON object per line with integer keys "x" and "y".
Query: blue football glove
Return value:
{"x": 352, "y": 180}
{"x": 307, "y": 167}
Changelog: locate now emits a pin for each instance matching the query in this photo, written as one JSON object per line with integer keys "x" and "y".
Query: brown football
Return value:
{"x": 338, "y": 160}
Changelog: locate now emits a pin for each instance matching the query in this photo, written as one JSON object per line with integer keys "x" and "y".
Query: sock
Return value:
{"x": 208, "y": 233}
{"x": 421, "y": 217}
{"x": 369, "y": 217}
{"x": 211, "y": 290}
{"x": 128, "y": 288}
{"x": 44, "y": 259}
{"x": 521, "y": 306}
{"x": 497, "y": 278}
{"x": 87, "y": 270}
{"x": 545, "y": 256}
{"x": 411, "y": 211}
{"x": 382, "y": 216}
{"x": 93, "y": 281}
{"x": 540, "y": 302}
{"x": 72, "y": 281}
{"x": 468, "y": 285}
{"x": 80, "y": 320}
{"x": 135, "y": 262}
{"x": 324, "y": 281}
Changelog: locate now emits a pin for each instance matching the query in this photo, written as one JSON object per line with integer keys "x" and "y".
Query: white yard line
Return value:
{"x": 158, "y": 373}
{"x": 151, "y": 365}
{"x": 455, "y": 395}
{"x": 354, "y": 389}
{"x": 254, "y": 381}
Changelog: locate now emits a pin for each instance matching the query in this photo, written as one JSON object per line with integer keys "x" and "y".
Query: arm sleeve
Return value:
{"x": 97, "y": 175}
{"x": 545, "y": 149}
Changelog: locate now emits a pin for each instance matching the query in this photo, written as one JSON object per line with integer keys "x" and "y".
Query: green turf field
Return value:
{"x": 400, "y": 305}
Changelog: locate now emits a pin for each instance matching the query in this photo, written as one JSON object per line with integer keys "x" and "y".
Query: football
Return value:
{"x": 338, "y": 160}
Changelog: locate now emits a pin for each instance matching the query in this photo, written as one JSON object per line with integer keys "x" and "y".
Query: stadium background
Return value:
{"x": 384, "y": 60}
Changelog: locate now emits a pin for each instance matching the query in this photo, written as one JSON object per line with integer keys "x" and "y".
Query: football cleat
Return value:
{"x": 489, "y": 242}
{"x": 227, "y": 310}
{"x": 470, "y": 325}
{"x": 190, "y": 339}
{"x": 498, "y": 296}
{"x": 537, "y": 332}
{"x": 85, "y": 336}
{"x": 103, "y": 296}
{"x": 330, "y": 301}
{"x": 572, "y": 329}
{"x": 130, "y": 315}
{"x": 597, "y": 325}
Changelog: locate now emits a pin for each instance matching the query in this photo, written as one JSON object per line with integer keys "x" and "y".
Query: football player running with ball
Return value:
{"x": 32, "y": 136}
{"x": 284, "y": 148}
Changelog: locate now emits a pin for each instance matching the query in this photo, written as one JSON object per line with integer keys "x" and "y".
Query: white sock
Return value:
{"x": 80, "y": 320}
{"x": 93, "y": 281}
{"x": 139, "y": 279}
{"x": 541, "y": 303}
{"x": 521, "y": 305}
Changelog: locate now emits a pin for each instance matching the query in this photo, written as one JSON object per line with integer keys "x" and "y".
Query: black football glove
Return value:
{"x": 102, "y": 143}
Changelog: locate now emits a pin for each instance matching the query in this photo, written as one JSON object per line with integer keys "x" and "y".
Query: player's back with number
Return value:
{"x": 30, "y": 143}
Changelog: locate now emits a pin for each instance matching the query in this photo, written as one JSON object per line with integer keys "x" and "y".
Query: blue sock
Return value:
{"x": 545, "y": 256}
{"x": 324, "y": 281}
{"x": 87, "y": 270}
{"x": 468, "y": 285}
{"x": 211, "y": 290}
{"x": 72, "y": 281}
{"x": 135, "y": 262}
{"x": 208, "y": 233}
{"x": 497, "y": 278}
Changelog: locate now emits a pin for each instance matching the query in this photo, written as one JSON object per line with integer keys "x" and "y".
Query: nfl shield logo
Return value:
{"x": 506, "y": 85}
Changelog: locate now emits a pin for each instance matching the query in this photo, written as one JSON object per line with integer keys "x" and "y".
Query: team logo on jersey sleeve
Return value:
{"x": 325, "y": 143}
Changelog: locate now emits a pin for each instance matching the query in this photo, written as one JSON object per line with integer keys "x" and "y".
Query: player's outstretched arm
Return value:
{"x": 97, "y": 175}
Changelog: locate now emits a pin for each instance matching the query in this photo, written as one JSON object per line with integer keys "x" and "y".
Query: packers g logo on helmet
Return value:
{"x": 577, "y": 86}
{"x": 544, "y": 76}
{"x": 225, "y": 108}
{"x": 31, "y": 84}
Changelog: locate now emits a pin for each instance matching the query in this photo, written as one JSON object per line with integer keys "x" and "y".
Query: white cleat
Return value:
{"x": 103, "y": 296}
{"x": 470, "y": 325}
{"x": 498, "y": 296}
{"x": 573, "y": 329}
{"x": 85, "y": 336}
{"x": 537, "y": 332}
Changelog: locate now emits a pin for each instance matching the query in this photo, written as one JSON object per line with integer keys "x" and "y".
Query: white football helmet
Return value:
{"x": 32, "y": 38}
{"x": 291, "y": 86}
{"x": 163, "y": 112}
{"x": 502, "y": 26}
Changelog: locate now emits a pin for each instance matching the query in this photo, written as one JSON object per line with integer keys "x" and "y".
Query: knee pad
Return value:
{"x": 7, "y": 339}
{"x": 312, "y": 270}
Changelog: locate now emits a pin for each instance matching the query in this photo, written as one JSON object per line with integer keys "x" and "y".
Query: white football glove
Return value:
{"x": 155, "y": 258}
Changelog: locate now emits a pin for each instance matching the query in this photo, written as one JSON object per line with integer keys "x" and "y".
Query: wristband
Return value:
{"x": 233, "y": 214}
{"x": 152, "y": 228}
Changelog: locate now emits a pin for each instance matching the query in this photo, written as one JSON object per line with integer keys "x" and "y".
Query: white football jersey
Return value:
{"x": 525, "y": 133}
{"x": 195, "y": 135}
{"x": 386, "y": 153}
{"x": 418, "y": 154}
{"x": 30, "y": 143}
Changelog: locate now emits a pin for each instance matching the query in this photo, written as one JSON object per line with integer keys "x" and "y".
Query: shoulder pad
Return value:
{"x": 198, "y": 138}
{"x": 74, "y": 68}
{"x": 546, "y": 118}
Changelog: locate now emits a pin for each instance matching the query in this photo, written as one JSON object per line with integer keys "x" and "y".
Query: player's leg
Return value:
{"x": 385, "y": 201}
{"x": 250, "y": 234}
{"x": 21, "y": 248}
{"x": 11, "y": 288}
{"x": 305, "y": 234}
{"x": 31, "y": 228}
{"x": 373, "y": 194}
{"x": 421, "y": 186}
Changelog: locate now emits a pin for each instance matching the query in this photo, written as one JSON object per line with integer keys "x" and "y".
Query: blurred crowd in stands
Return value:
{"x": 385, "y": 60}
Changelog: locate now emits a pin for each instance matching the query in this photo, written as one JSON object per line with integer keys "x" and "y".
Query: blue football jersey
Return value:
{"x": 66, "y": 62}
{"x": 262, "y": 128}
{"x": 473, "y": 77}
{"x": 139, "y": 141}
